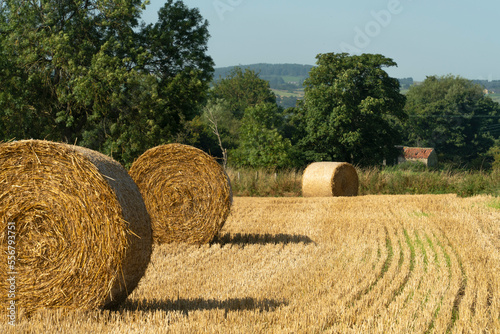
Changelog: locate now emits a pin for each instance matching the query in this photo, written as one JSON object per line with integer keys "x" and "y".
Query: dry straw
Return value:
{"x": 324, "y": 179}
{"x": 83, "y": 236}
{"x": 187, "y": 193}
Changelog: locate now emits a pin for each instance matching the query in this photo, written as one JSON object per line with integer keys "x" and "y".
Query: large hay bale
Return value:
{"x": 324, "y": 179}
{"x": 83, "y": 236}
{"x": 187, "y": 193}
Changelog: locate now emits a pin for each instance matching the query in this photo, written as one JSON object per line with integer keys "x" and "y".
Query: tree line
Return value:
{"x": 352, "y": 111}
{"x": 493, "y": 85}
{"x": 273, "y": 73}
{"x": 88, "y": 72}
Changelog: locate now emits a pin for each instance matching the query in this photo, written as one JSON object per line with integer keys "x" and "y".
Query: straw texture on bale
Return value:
{"x": 83, "y": 236}
{"x": 325, "y": 179}
{"x": 187, "y": 193}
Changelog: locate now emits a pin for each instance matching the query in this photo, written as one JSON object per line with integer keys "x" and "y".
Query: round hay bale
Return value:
{"x": 325, "y": 179}
{"x": 187, "y": 193}
{"x": 79, "y": 231}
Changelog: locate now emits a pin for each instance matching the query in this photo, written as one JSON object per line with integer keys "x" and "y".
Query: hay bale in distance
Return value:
{"x": 83, "y": 236}
{"x": 324, "y": 179}
{"x": 187, "y": 193}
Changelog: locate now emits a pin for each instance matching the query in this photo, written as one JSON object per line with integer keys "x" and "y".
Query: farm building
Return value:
{"x": 427, "y": 155}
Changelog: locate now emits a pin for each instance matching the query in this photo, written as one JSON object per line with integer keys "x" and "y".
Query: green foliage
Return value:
{"x": 285, "y": 101}
{"x": 492, "y": 85}
{"x": 203, "y": 136}
{"x": 261, "y": 144}
{"x": 249, "y": 120}
{"x": 495, "y": 153}
{"x": 242, "y": 89}
{"x": 405, "y": 83}
{"x": 374, "y": 180}
{"x": 278, "y": 75}
{"x": 349, "y": 109}
{"x": 450, "y": 114}
{"x": 264, "y": 182}
{"x": 86, "y": 72}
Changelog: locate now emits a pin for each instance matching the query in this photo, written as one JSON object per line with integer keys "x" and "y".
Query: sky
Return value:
{"x": 424, "y": 37}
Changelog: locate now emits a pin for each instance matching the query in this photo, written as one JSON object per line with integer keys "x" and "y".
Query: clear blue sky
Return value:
{"x": 424, "y": 37}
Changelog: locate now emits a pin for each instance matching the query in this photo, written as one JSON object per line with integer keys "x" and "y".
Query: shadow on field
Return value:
{"x": 260, "y": 239}
{"x": 200, "y": 304}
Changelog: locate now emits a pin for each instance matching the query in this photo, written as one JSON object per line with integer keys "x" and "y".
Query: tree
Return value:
{"x": 178, "y": 45}
{"x": 494, "y": 151}
{"x": 261, "y": 143}
{"x": 56, "y": 51}
{"x": 176, "y": 58}
{"x": 215, "y": 130}
{"x": 84, "y": 70}
{"x": 350, "y": 108}
{"x": 229, "y": 100}
{"x": 242, "y": 89}
{"x": 294, "y": 129}
{"x": 450, "y": 114}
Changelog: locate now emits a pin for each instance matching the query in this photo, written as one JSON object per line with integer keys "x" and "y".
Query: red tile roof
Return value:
{"x": 417, "y": 152}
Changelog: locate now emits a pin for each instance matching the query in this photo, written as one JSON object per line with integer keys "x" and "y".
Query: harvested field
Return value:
{"x": 366, "y": 264}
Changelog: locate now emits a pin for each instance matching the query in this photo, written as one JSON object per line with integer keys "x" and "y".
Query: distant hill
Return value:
{"x": 280, "y": 76}
{"x": 284, "y": 76}
{"x": 493, "y": 85}
{"x": 269, "y": 69}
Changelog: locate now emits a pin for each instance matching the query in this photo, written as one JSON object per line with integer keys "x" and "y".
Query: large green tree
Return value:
{"x": 451, "y": 114}
{"x": 242, "y": 89}
{"x": 86, "y": 71}
{"x": 49, "y": 48}
{"x": 177, "y": 44}
{"x": 261, "y": 143}
{"x": 349, "y": 109}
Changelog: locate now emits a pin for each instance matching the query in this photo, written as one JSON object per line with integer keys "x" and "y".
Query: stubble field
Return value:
{"x": 367, "y": 264}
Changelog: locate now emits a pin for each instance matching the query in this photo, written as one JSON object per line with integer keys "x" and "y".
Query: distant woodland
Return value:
{"x": 280, "y": 76}
{"x": 493, "y": 85}
{"x": 277, "y": 75}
